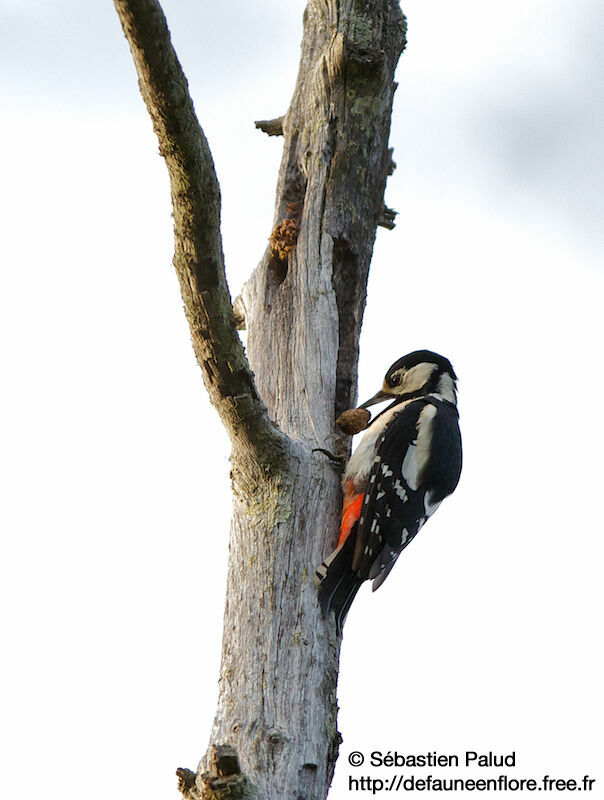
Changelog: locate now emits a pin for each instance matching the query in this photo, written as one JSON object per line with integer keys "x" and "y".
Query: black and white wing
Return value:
{"x": 417, "y": 464}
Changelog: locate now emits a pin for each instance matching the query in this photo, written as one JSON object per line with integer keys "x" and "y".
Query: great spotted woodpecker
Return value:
{"x": 407, "y": 462}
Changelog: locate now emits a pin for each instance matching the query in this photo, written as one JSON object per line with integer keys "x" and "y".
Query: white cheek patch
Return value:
{"x": 417, "y": 377}
{"x": 418, "y": 454}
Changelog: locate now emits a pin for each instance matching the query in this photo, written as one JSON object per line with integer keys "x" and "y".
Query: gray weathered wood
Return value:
{"x": 303, "y": 328}
{"x": 276, "y": 719}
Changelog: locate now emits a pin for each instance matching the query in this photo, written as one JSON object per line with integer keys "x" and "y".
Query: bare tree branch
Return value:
{"x": 198, "y": 256}
{"x": 272, "y": 127}
{"x": 387, "y": 217}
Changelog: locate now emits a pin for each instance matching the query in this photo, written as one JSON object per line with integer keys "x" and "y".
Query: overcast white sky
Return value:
{"x": 115, "y": 469}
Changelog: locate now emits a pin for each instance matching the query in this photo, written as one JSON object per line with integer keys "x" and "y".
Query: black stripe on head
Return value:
{"x": 420, "y": 357}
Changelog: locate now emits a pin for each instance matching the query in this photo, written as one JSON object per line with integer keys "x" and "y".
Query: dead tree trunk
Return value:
{"x": 275, "y": 731}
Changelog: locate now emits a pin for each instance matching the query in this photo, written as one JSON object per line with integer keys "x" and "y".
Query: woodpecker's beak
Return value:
{"x": 379, "y": 397}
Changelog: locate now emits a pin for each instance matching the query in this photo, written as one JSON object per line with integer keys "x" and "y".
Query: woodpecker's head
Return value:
{"x": 416, "y": 374}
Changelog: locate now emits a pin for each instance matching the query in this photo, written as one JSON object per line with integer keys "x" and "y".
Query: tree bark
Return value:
{"x": 198, "y": 257}
{"x": 275, "y": 731}
{"x": 277, "y": 703}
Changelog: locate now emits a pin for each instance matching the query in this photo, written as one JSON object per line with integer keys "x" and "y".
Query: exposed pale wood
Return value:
{"x": 335, "y": 163}
{"x": 277, "y": 709}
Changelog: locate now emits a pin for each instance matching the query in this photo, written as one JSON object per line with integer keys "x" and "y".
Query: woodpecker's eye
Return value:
{"x": 396, "y": 378}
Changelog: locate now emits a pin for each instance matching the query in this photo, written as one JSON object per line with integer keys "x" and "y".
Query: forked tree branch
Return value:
{"x": 275, "y": 731}
{"x": 198, "y": 256}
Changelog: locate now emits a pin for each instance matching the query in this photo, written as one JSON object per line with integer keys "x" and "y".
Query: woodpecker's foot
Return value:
{"x": 337, "y": 460}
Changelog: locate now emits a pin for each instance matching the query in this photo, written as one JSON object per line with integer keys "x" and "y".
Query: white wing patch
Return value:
{"x": 409, "y": 468}
{"x": 361, "y": 461}
{"x": 418, "y": 453}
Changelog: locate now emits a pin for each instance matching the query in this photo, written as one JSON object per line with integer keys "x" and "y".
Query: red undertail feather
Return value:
{"x": 351, "y": 511}
{"x": 336, "y": 581}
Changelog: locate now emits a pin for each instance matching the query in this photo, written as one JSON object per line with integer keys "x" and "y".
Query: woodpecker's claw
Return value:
{"x": 339, "y": 460}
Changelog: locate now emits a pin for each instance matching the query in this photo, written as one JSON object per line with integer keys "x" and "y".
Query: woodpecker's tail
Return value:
{"x": 337, "y": 583}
